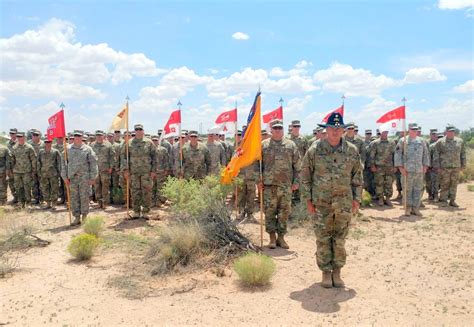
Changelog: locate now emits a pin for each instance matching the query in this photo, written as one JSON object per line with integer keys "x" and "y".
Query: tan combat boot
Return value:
{"x": 380, "y": 201}
{"x": 408, "y": 211}
{"x": 388, "y": 202}
{"x": 281, "y": 242}
{"x": 416, "y": 211}
{"x": 272, "y": 244}
{"x": 453, "y": 203}
{"x": 336, "y": 278}
{"x": 76, "y": 221}
{"x": 326, "y": 281}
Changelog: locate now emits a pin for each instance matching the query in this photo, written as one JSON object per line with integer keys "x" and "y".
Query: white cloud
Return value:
{"x": 240, "y": 36}
{"x": 467, "y": 87}
{"x": 55, "y": 89}
{"x": 455, "y": 4}
{"x": 423, "y": 75}
{"x": 447, "y": 60}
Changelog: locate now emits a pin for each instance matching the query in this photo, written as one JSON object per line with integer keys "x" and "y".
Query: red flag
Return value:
{"x": 272, "y": 115}
{"x": 338, "y": 110}
{"x": 56, "y": 126}
{"x": 392, "y": 121}
{"x": 173, "y": 125}
{"x": 227, "y": 117}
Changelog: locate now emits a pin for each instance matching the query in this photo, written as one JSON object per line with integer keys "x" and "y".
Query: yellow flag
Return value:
{"x": 250, "y": 148}
{"x": 120, "y": 120}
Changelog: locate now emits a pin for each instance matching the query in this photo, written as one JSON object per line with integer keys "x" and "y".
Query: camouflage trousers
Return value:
{"x": 432, "y": 182}
{"x": 49, "y": 188}
{"x": 369, "y": 181}
{"x": 114, "y": 184}
{"x": 331, "y": 227}
{"x": 384, "y": 182}
{"x": 246, "y": 197}
{"x": 141, "y": 188}
{"x": 3, "y": 187}
{"x": 102, "y": 188}
{"x": 23, "y": 184}
{"x": 11, "y": 184}
{"x": 277, "y": 208}
{"x": 398, "y": 180}
{"x": 414, "y": 189}
{"x": 35, "y": 188}
{"x": 157, "y": 197}
{"x": 448, "y": 180}
{"x": 80, "y": 191}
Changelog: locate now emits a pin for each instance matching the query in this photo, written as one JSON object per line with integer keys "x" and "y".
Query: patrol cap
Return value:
{"x": 138, "y": 127}
{"x": 335, "y": 120}
{"x": 450, "y": 128}
{"x": 295, "y": 123}
{"x": 117, "y": 131}
{"x": 13, "y": 130}
{"x": 47, "y": 140}
{"x": 264, "y": 132}
{"x": 133, "y": 133}
{"x": 220, "y": 134}
{"x": 413, "y": 126}
{"x": 160, "y": 131}
{"x": 110, "y": 134}
{"x": 77, "y": 132}
{"x": 34, "y": 131}
{"x": 276, "y": 123}
{"x": 20, "y": 134}
{"x": 239, "y": 132}
{"x": 368, "y": 132}
{"x": 350, "y": 125}
{"x": 356, "y": 128}
{"x": 99, "y": 132}
{"x": 193, "y": 133}
{"x": 185, "y": 131}
{"x": 84, "y": 138}
{"x": 440, "y": 135}
{"x": 433, "y": 131}
{"x": 155, "y": 138}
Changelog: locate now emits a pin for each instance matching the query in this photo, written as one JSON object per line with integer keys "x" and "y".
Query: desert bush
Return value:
{"x": 82, "y": 247}
{"x": 94, "y": 225}
{"x": 254, "y": 269}
{"x": 470, "y": 188}
{"x": 468, "y": 173}
{"x": 366, "y": 199}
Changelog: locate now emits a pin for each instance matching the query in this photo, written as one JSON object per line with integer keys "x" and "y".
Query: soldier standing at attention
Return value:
{"x": 162, "y": 171}
{"x": 302, "y": 145}
{"x": 351, "y": 137}
{"x": 79, "y": 172}
{"x": 412, "y": 164}
{"x": 449, "y": 158}
{"x": 332, "y": 187}
{"x": 59, "y": 145}
{"x": 140, "y": 170}
{"x": 430, "y": 176}
{"x": 369, "y": 180}
{"x": 11, "y": 182}
{"x": 106, "y": 163}
{"x": 24, "y": 168}
{"x": 196, "y": 158}
{"x": 217, "y": 152}
{"x": 37, "y": 144}
{"x": 49, "y": 171}
{"x": 281, "y": 168}
{"x": 5, "y": 168}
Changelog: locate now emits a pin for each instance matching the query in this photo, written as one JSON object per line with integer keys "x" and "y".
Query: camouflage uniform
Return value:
{"x": 413, "y": 161}
{"x": 281, "y": 164}
{"x": 449, "y": 157}
{"x": 61, "y": 186}
{"x": 218, "y": 156}
{"x": 106, "y": 163}
{"x": 142, "y": 163}
{"x": 49, "y": 170}
{"x": 196, "y": 161}
{"x": 162, "y": 172}
{"x": 331, "y": 178}
{"x": 302, "y": 145}
{"x": 381, "y": 157}
{"x": 24, "y": 168}
{"x": 5, "y": 167}
{"x": 36, "y": 179}
{"x": 80, "y": 169}
{"x": 246, "y": 192}
{"x": 359, "y": 143}
{"x": 369, "y": 178}
{"x": 115, "y": 185}
{"x": 11, "y": 182}
{"x": 176, "y": 159}
{"x": 431, "y": 176}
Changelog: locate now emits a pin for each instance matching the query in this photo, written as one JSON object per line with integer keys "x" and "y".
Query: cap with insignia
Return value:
{"x": 13, "y": 130}
{"x": 413, "y": 126}
{"x": 138, "y": 127}
{"x": 335, "y": 120}
{"x": 368, "y": 132}
{"x": 276, "y": 123}
{"x": 450, "y": 128}
{"x": 20, "y": 134}
{"x": 77, "y": 132}
{"x": 433, "y": 131}
{"x": 193, "y": 133}
{"x": 295, "y": 123}
{"x": 99, "y": 132}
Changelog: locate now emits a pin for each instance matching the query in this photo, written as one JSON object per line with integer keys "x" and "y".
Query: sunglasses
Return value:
{"x": 193, "y": 136}
{"x": 138, "y": 129}
{"x": 34, "y": 134}
{"x": 277, "y": 128}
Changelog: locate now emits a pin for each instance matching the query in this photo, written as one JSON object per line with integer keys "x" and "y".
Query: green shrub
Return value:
{"x": 366, "y": 199}
{"x": 94, "y": 225}
{"x": 468, "y": 173}
{"x": 255, "y": 269}
{"x": 82, "y": 247}
{"x": 470, "y": 188}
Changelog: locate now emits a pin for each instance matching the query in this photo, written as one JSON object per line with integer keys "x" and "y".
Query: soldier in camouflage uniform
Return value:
{"x": 176, "y": 156}
{"x": 24, "y": 168}
{"x": 332, "y": 183}
{"x": 49, "y": 170}
{"x": 229, "y": 147}
{"x": 246, "y": 191}
{"x": 37, "y": 144}
{"x": 218, "y": 154}
{"x": 281, "y": 164}
{"x": 398, "y": 174}
{"x": 431, "y": 178}
{"x": 449, "y": 158}
{"x": 162, "y": 171}
{"x": 11, "y": 183}
{"x": 59, "y": 145}
{"x": 106, "y": 163}
{"x": 5, "y": 169}
{"x": 115, "y": 185}
{"x": 302, "y": 145}
{"x": 265, "y": 135}
{"x": 382, "y": 166}
{"x": 369, "y": 179}
{"x": 196, "y": 158}
{"x": 413, "y": 164}
{"x": 79, "y": 173}
{"x": 356, "y": 140}
{"x": 141, "y": 169}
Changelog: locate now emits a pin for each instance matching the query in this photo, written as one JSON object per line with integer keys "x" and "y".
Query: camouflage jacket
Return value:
{"x": 311, "y": 141}
{"x": 218, "y": 156}
{"x": 11, "y": 144}
{"x": 281, "y": 162}
{"x": 37, "y": 146}
{"x": 175, "y": 159}
{"x": 359, "y": 143}
{"x": 59, "y": 147}
{"x": 49, "y": 163}
{"x": 81, "y": 162}
{"x": 367, "y": 152}
{"x": 301, "y": 143}
{"x": 250, "y": 173}
{"x": 449, "y": 153}
{"x": 416, "y": 156}
{"x": 162, "y": 161}
{"x": 23, "y": 159}
{"x": 332, "y": 176}
{"x": 5, "y": 159}
{"x": 381, "y": 153}
{"x": 105, "y": 155}
{"x": 196, "y": 161}
{"x": 142, "y": 157}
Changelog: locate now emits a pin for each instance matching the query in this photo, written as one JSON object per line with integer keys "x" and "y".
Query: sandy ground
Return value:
{"x": 400, "y": 271}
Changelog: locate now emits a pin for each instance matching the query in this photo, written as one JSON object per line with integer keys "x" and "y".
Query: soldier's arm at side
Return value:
{"x": 463, "y": 155}
{"x": 34, "y": 160}
{"x": 93, "y": 168}
{"x": 357, "y": 180}
{"x": 296, "y": 165}
{"x": 306, "y": 180}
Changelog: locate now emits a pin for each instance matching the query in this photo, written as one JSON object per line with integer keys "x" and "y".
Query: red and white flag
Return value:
{"x": 226, "y": 122}
{"x": 272, "y": 115}
{"x": 392, "y": 121}
{"x": 339, "y": 110}
{"x": 173, "y": 126}
{"x": 56, "y": 126}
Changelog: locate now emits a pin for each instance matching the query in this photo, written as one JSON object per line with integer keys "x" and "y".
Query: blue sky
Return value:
{"x": 92, "y": 55}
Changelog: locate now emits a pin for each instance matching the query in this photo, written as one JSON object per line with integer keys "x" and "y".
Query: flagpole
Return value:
{"x": 127, "y": 180}
{"x": 68, "y": 190}
{"x": 236, "y": 201}
{"x": 181, "y": 172}
{"x": 261, "y": 202}
{"x": 405, "y": 177}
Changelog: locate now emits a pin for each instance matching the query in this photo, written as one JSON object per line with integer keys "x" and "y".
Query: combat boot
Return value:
{"x": 436, "y": 197}
{"x": 416, "y": 212}
{"x": 272, "y": 244}
{"x": 76, "y": 221}
{"x": 408, "y": 211}
{"x": 399, "y": 196}
{"x": 281, "y": 242}
{"x": 388, "y": 202}
{"x": 444, "y": 203}
{"x": 453, "y": 203}
{"x": 380, "y": 202}
{"x": 336, "y": 278}
{"x": 326, "y": 281}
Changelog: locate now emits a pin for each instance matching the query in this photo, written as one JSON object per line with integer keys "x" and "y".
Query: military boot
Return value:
{"x": 435, "y": 197}
{"x": 444, "y": 203}
{"x": 272, "y": 244}
{"x": 399, "y": 196}
{"x": 416, "y": 212}
{"x": 380, "y": 201}
{"x": 281, "y": 242}
{"x": 408, "y": 211}
{"x": 336, "y": 278}
{"x": 388, "y": 202}
{"x": 76, "y": 221}
{"x": 326, "y": 281}
{"x": 453, "y": 203}
{"x": 422, "y": 205}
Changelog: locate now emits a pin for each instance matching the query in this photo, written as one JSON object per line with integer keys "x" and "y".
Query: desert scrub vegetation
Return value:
{"x": 83, "y": 246}
{"x": 366, "y": 199}
{"x": 254, "y": 269}
{"x": 94, "y": 225}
